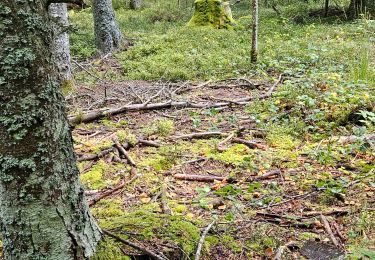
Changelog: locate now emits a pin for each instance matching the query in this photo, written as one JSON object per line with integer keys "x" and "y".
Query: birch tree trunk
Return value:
{"x": 43, "y": 212}
{"x": 135, "y": 4}
{"x": 254, "y": 44}
{"x": 107, "y": 32}
{"x": 60, "y": 46}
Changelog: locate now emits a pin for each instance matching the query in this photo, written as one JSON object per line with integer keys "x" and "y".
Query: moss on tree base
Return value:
{"x": 212, "y": 13}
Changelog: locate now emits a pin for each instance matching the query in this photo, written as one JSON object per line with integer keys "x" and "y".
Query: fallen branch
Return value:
{"x": 221, "y": 146}
{"x": 211, "y": 178}
{"x": 111, "y": 191}
{"x": 302, "y": 196}
{"x": 123, "y": 152}
{"x": 354, "y": 138}
{"x": 148, "y": 143}
{"x": 327, "y": 227}
{"x": 202, "y": 178}
{"x": 133, "y": 245}
{"x": 89, "y": 157}
{"x": 92, "y": 116}
{"x": 201, "y": 240}
{"x": 199, "y": 135}
{"x": 250, "y": 144}
{"x": 164, "y": 202}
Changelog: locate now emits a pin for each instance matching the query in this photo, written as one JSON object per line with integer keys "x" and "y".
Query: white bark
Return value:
{"x": 60, "y": 46}
{"x": 254, "y": 45}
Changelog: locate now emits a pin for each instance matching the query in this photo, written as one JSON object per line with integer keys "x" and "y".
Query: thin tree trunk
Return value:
{"x": 326, "y": 8}
{"x": 43, "y": 212}
{"x": 60, "y": 46}
{"x": 107, "y": 32}
{"x": 254, "y": 45}
{"x": 135, "y": 4}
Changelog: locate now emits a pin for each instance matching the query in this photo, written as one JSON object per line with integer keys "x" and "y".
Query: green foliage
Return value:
{"x": 161, "y": 127}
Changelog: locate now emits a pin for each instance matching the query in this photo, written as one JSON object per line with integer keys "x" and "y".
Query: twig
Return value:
{"x": 163, "y": 197}
{"x": 202, "y": 178}
{"x": 123, "y": 152}
{"x": 87, "y": 71}
{"x": 220, "y": 146}
{"x": 111, "y": 191}
{"x": 199, "y": 135}
{"x": 89, "y": 157}
{"x": 329, "y": 230}
{"x": 279, "y": 253}
{"x": 250, "y": 144}
{"x": 148, "y": 142}
{"x": 138, "y": 247}
{"x": 201, "y": 240}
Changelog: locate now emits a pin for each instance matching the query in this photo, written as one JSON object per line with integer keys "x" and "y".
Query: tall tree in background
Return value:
{"x": 108, "y": 36}
{"x": 60, "y": 46}
{"x": 356, "y": 7}
{"x": 135, "y": 4}
{"x": 254, "y": 43}
{"x": 43, "y": 212}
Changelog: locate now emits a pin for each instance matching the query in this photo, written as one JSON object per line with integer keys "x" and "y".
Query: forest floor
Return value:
{"x": 179, "y": 131}
{"x": 267, "y": 191}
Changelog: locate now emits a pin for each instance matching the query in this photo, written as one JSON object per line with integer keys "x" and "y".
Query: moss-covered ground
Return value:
{"x": 326, "y": 93}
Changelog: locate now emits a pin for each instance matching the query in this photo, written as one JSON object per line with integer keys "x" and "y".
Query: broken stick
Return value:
{"x": 201, "y": 240}
{"x": 327, "y": 227}
{"x": 133, "y": 245}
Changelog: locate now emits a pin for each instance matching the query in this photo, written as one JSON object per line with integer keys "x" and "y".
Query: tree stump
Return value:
{"x": 135, "y": 4}
{"x": 212, "y": 13}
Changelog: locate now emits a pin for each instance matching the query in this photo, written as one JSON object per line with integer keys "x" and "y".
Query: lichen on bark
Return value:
{"x": 43, "y": 213}
{"x": 108, "y": 36}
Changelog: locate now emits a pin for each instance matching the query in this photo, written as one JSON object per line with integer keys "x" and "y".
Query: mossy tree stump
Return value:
{"x": 212, "y": 13}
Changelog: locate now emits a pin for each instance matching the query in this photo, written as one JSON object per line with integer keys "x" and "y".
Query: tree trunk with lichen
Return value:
{"x": 60, "y": 46}
{"x": 254, "y": 41}
{"x": 43, "y": 212}
{"x": 107, "y": 32}
{"x": 212, "y": 13}
{"x": 135, "y": 4}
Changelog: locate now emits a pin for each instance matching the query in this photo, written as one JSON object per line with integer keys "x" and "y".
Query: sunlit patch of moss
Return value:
{"x": 141, "y": 220}
{"x": 108, "y": 208}
{"x": 98, "y": 147}
{"x": 230, "y": 243}
{"x": 156, "y": 162}
{"x": 126, "y": 135}
{"x": 234, "y": 155}
{"x": 112, "y": 124}
{"x": 99, "y": 175}
{"x": 209, "y": 242}
{"x": 109, "y": 250}
{"x": 165, "y": 158}
{"x": 307, "y": 236}
{"x": 281, "y": 140}
{"x": 67, "y": 87}
{"x": 161, "y": 127}
{"x": 184, "y": 233}
{"x": 179, "y": 208}
{"x": 200, "y": 147}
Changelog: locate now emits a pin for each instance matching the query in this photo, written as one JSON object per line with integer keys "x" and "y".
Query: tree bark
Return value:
{"x": 107, "y": 32}
{"x": 60, "y": 46}
{"x": 356, "y": 7}
{"x": 254, "y": 44}
{"x": 43, "y": 212}
{"x": 135, "y": 4}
